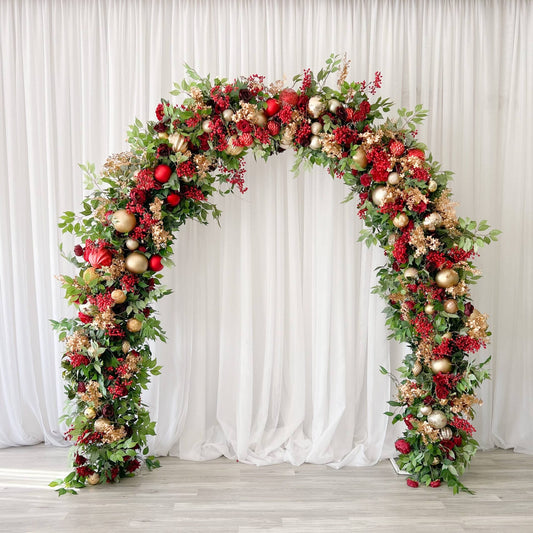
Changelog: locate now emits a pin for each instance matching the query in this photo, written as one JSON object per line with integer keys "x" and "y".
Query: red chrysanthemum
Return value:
{"x": 435, "y": 483}
{"x": 402, "y": 446}
{"x": 396, "y": 148}
{"x": 84, "y": 471}
{"x": 77, "y": 359}
{"x": 412, "y": 483}
{"x": 462, "y": 424}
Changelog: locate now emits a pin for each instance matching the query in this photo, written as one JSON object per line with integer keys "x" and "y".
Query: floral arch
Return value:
{"x": 176, "y": 163}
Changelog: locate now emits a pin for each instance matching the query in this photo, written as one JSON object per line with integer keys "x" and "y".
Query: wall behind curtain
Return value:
{"x": 274, "y": 339}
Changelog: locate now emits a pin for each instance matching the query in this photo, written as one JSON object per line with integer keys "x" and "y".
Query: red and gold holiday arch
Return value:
{"x": 176, "y": 163}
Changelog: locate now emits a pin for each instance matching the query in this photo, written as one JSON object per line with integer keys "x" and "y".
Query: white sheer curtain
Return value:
{"x": 274, "y": 338}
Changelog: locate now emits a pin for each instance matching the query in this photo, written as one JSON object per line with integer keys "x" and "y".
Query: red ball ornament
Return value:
{"x": 273, "y": 127}
{"x": 162, "y": 173}
{"x": 155, "y": 263}
{"x": 173, "y": 199}
{"x": 100, "y": 258}
{"x": 272, "y": 107}
{"x": 415, "y": 152}
{"x": 289, "y": 96}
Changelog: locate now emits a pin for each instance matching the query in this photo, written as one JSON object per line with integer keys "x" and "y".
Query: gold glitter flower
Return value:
{"x": 92, "y": 393}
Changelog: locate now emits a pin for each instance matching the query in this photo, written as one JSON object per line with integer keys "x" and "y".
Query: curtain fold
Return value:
{"x": 274, "y": 338}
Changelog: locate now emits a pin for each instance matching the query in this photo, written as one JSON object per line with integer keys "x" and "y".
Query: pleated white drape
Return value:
{"x": 274, "y": 338}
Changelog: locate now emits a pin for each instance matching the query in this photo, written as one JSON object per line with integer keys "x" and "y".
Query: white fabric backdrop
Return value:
{"x": 274, "y": 338}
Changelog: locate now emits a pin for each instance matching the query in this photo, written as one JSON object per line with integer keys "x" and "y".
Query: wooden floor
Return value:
{"x": 224, "y": 496}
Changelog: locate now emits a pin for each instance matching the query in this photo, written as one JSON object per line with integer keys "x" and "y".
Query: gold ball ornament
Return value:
{"x": 432, "y": 221}
{"x": 316, "y": 106}
{"x": 137, "y": 263}
{"x": 446, "y": 433}
{"x": 132, "y": 244}
{"x": 432, "y": 186}
{"x": 260, "y": 119}
{"x": 315, "y": 143}
{"x": 134, "y": 325}
{"x": 118, "y": 296}
{"x": 89, "y": 413}
{"x": 93, "y": 479}
{"x": 227, "y": 115}
{"x": 448, "y": 335}
{"x": 450, "y": 306}
{"x": 437, "y": 419}
{"x": 443, "y": 365}
{"x": 410, "y": 273}
{"x": 101, "y": 425}
{"x": 417, "y": 368}
{"x": 316, "y": 128}
{"x": 123, "y": 221}
{"x": 163, "y": 135}
{"x": 179, "y": 142}
{"x": 378, "y": 195}
{"x": 207, "y": 126}
{"x": 426, "y": 410}
{"x": 394, "y": 178}
{"x": 447, "y": 277}
{"x": 392, "y": 239}
{"x": 435, "y": 461}
{"x": 429, "y": 309}
{"x": 126, "y": 346}
{"x": 400, "y": 220}
{"x": 90, "y": 275}
{"x": 333, "y": 105}
{"x": 359, "y": 159}
{"x": 232, "y": 148}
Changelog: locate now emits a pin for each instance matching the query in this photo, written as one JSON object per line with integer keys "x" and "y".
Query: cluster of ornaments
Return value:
{"x": 175, "y": 165}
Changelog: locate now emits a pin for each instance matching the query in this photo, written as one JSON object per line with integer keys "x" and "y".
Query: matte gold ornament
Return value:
{"x": 126, "y": 346}
{"x": 429, "y": 309}
{"x": 101, "y": 425}
{"x": 435, "y": 461}
{"x": 410, "y": 273}
{"x": 90, "y": 275}
{"x": 446, "y": 433}
{"x": 132, "y": 244}
{"x": 443, "y": 365}
{"x": 437, "y": 419}
{"x": 450, "y": 306}
{"x": 179, "y": 142}
{"x": 447, "y": 277}
{"x": 432, "y": 186}
{"x": 448, "y": 335}
{"x": 333, "y": 105}
{"x": 89, "y": 413}
{"x": 227, "y": 115}
{"x": 315, "y": 143}
{"x": 400, "y": 220}
{"x": 316, "y": 128}
{"x": 426, "y": 410}
{"x": 137, "y": 263}
{"x": 417, "y": 368}
{"x": 93, "y": 479}
{"x": 316, "y": 106}
{"x": 394, "y": 178}
{"x": 432, "y": 221}
{"x": 123, "y": 221}
{"x": 207, "y": 126}
{"x": 378, "y": 195}
{"x": 134, "y": 325}
{"x": 118, "y": 296}
{"x": 359, "y": 158}
{"x": 232, "y": 148}
{"x": 260, "y": 119}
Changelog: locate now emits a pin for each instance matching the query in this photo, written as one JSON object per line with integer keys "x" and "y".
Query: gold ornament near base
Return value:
{"x": 118, "y": 296}
{"x": 315, "y": 143}
{"x": 123, "y": 221}
{"x": 437, "y": 419}
{"x": 446, "y": 278}
{"x": 137, "y": 263}
{"x": 378, "y": 195}
{"x": 93, "y": 479}
{"x": 133, "y": 325}
{"x": 400, "y": 220}
{"x": 417, "y": 368}
{"x": 450, "y": 306}
{"x": 443, "y": 365}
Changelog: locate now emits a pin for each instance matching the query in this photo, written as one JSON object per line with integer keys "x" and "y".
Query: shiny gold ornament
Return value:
{"x": 447, "y": 335}
{"x": 136, "y": 263}
{"x": 101, "y": 425}
{"x": 400, "y": 220}
{"x": 123, "y": 221}
{"x": 429, "y": 309}
{"x": 410, "y": 272}
{"x": 163, "y": 135}
{"x": 417, "y": 368}
{"x": 333, "y": 105}
{"x": 232, "y": 148}
{"x": 447, "y": 277}
{"x": 316, "y": 128}
{"x": 89, "y": 413}
{"x": 93, "y": 479}
{"x": 446, "y": 433}
{"x": 179, "y": 142}
{"x": 450, "y": 306}
{"x": 315, "y": 142}
{"x": 316, "y": 106}
{"x": 227, "y": 115}
{"x": 426, "y": 410}
{"x": 90, "y": 275}
{"x": 437, "y": 419}
{"x": 118, "y": 296}
{"x": 359, "y": 158}
{"x": 432, "y": 186}
{"x": 432, "y": 221}
{"x": 394, "y": 178}
{"x": 260, "y": 119}
{"x": 378, "y": 195}
{"x": 134, "y": 325}
{"x": 207, "y": 126}
{"x": 443, "y": 365}
{"x": 132, "y": 244}
{"x": 126, "y": 346}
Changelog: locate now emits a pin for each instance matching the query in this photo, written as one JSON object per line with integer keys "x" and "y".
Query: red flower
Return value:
{"x": 160, "y": 111}
{"x": 464, "y": 425}
{"x": 435, "y": 483}
{"x": 366, "y": 180}
{"x": 289, "y": 96}
{"x": 81, "y": 387}
{"x": 79, "y": 460}
{"x": 78, "y": 250}
{"x": 86, "y": 319}
{"x": 131, "y": 466}
{"x": 412, "y": 483}
{"x": 77, "y": 359}
{"x": 396, "y": 148}
{"x": 84, "y": 471}
{"x": 415, "y": 152}
{"x": 273, "y": 127}
{"x": 402, "y": 446}
{"x": 407, "y": 421}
